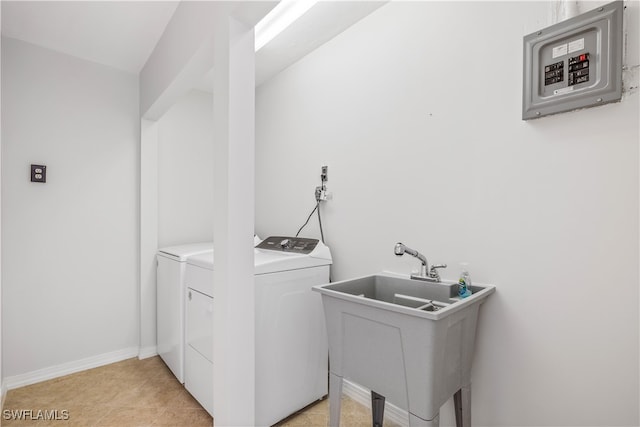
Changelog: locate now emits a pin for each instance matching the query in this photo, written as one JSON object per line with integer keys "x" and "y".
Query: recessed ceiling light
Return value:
{"x": 280, "y": 17}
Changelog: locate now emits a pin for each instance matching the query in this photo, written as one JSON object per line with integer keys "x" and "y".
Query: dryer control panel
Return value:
{"x": 298, "y": 245}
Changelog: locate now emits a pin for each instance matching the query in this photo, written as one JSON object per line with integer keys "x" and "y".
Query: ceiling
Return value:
{"x": 324, "y": 21}
{"x": 122, "y": 34}
{"x": 118, "y": 34}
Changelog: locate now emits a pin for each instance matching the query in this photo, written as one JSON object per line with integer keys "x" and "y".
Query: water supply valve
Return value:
{"x": 322, "y": 195}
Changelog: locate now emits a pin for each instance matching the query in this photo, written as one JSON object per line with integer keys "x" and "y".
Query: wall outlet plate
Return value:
{"x": 324, "y": 174}
{"x": 38, "y": 173}
{"x": 574, "y": 64}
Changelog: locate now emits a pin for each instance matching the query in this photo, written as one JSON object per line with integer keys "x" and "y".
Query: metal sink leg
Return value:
{"x": 462, "y": 406}
{"x": 377, "y": 408}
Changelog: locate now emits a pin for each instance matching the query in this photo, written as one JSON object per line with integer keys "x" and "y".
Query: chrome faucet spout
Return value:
{"x": 430, "y": 275}
{"x": 400, "y": 249}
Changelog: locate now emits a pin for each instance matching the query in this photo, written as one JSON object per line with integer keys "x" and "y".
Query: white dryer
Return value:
{"x": 291, "y": 344}
{"x": 171, "y": 264}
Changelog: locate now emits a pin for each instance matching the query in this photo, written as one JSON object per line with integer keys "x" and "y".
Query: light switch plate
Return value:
{"x": 574, "y": 64}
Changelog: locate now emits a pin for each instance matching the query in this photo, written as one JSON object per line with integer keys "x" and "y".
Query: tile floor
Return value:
{"x": 352, "y": 414}
{"x": 128, "y": 393}
{"x": 139, "y": 393}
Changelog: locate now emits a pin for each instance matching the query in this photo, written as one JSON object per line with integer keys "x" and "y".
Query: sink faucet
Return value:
{"x": 426, "y": 273}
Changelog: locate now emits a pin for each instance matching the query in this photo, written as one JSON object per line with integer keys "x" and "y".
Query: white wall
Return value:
{"x": 182, "y": 50}
{"x": 234, "y": 346}
{"x": 69, "y": 264}
{"x": 2, "y": 386}
{"x": 417, "y": 111}
{"x": 186, "y": 51}
{"x": 185, "y": 171}
{"x": 148, "y": 236}
{"x": 176, "y": 204}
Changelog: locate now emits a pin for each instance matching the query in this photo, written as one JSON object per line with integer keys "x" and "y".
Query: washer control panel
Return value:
{"x": 298, "y": 245}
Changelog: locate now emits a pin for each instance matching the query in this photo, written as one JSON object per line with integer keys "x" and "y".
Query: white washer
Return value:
{"x": 291, "y": 344}
{"x": 170, "y": 302}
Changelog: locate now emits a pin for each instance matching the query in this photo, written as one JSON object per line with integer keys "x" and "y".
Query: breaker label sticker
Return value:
{"x": 576, "y": 45}
{"x": 554, "y": 73}
{"x": 579, "y": 69}
{"x": 563, "y": 90}
{"x": 559, "y": 51}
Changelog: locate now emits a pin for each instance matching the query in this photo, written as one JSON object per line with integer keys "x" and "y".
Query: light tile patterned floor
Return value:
{"x": 141, "y": 393}
{"x": 129, "y": 393}
{"x": 352, "y": 414}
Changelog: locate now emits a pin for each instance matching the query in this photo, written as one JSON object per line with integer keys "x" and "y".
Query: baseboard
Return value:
{"x": 146, "y": 352}
{"x": 363, "y": 397}
{"x": 3, "y": 394}
{"x": 69, "y": 368}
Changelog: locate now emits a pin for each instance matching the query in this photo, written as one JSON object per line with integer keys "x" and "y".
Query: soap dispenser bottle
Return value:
{"x": 464, "y": 283}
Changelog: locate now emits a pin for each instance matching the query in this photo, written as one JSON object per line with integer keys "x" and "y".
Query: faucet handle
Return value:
{"x": 433, "y": 271}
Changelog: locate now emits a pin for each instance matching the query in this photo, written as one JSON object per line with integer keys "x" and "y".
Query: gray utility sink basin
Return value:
{"x": 407, "y": 340}
{"x": 400, "y": 291}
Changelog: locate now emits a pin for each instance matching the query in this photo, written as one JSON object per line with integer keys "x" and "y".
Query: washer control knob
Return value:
{"x": 285, "y": 244}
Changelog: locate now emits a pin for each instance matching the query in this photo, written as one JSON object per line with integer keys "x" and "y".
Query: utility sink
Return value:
{"x": 399, "y": 291}
{"x": 394, "y": 292}
{"x": 407, "y": 340}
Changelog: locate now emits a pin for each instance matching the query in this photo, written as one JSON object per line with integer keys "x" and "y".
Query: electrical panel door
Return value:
{"x": 574, "y": 64}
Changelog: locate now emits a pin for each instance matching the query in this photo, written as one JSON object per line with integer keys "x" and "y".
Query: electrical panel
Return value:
{"x": 574, "y": 64}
